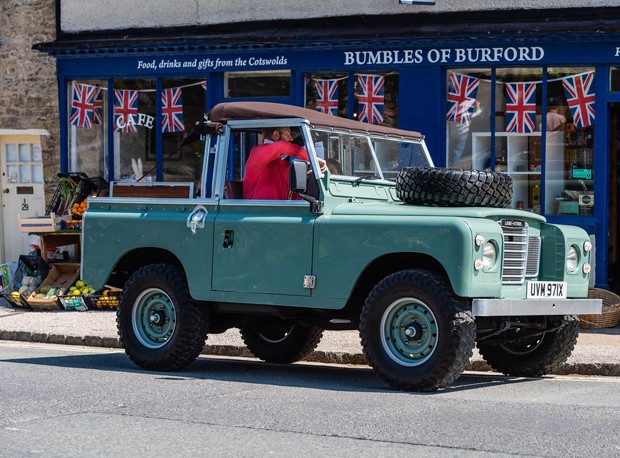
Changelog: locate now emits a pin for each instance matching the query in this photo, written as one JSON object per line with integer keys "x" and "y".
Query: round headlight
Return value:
{"x": 489, "y": 255}
{"x": 572, "y": 259}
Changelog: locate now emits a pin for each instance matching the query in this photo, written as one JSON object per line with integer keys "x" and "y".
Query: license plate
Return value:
{"x": 546, "y": 289}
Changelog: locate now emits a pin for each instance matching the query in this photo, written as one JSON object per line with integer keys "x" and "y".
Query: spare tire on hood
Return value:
{"x": 453, "y": 187}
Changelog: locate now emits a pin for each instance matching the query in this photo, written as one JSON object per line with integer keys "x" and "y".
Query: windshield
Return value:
{"x": 372, "y": 157}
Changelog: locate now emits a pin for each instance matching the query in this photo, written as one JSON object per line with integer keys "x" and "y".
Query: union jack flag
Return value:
{"x": 327, "y": 96}
{"x": 172, "y": 110}
{"x": 98, "y": 105}
{"x": 204, "y": 85}
{"x": 580, "y": 97}
{"x": 125, "y": 108}
{"x": 520, "y": 107}
{"x": 371, "y": 99}
{"x": 462, "y": 93}
{"x": 82, "y": 105}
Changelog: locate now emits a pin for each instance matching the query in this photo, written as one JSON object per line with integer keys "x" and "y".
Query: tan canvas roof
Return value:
{"x": 263, "y": 110}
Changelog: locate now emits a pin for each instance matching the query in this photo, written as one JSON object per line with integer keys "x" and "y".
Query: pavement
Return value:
{"x": 597, "y": 351}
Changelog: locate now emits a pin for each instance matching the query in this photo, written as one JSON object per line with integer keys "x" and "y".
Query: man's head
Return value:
{"x": 278, "y": 134}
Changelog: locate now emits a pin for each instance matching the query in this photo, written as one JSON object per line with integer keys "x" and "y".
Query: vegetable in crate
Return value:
{"x": 68, "y": 189}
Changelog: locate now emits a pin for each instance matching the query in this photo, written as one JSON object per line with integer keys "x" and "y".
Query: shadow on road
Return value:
{"x": 306, "y": 375}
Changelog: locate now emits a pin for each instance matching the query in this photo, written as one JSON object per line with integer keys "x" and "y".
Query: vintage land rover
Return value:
{"x": 424, "y": 262}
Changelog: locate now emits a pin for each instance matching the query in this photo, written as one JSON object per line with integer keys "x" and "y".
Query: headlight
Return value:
{"x": 572, "y": 259}
{"x": 489, "y": 255}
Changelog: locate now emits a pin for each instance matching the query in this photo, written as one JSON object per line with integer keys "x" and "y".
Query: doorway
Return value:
{"x": 613, "y": 247}
{"x": 22, "y": 194}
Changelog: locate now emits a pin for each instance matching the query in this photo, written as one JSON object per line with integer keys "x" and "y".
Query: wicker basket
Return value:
{"x": 609, "y": 318}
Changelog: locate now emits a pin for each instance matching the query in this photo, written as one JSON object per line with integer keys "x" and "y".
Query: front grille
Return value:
{"x": 521, "y": 252}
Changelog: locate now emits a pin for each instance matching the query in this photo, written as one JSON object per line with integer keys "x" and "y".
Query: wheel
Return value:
{"x": 280, "y": 342}
{"x": 415, "y": 333}
{"x": 453, "y": 187}
{"x": 533, "y": 355}
{"x": 159, "y": 325}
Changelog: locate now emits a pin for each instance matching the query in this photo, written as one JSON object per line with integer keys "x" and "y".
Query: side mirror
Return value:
{"x": 298, "y": 176}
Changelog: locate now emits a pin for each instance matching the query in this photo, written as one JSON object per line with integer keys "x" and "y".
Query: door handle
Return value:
{"x": 6, "y": 190}
{"x": 229, "y": 238}
{"x": 196, "y": 219}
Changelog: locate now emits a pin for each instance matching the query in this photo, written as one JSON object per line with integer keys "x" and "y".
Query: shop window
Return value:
{"x": 376, "y": 98}
{"x": 468, "y": 118}
{"x": 518, "y": 144}
{"x": 257, "y": 84}
{"x": 569, "y": 165}
{"x": 134, "y": 130}
{"x": 183, "y": 105}
{"x": 328, "y": 93}
{"x": 614, "y": 79}
{"x": 87, "y": 114}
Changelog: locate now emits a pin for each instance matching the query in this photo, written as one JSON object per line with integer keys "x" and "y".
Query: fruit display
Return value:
{"x": 78, "y": 208}
{"x": 49, "y": 292}
{"x": 28, "y": 285}
{"x": 80, "y": 288}
{"x": 106, "y": 299}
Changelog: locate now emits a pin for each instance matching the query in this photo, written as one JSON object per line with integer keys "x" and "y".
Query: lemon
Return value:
{"x": 80, "y": 284}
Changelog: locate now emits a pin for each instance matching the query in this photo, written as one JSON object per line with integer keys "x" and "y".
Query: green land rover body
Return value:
{"x": 420, "y": 260}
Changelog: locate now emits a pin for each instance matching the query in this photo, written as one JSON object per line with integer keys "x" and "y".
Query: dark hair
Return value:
{"x": 334, "y": 166}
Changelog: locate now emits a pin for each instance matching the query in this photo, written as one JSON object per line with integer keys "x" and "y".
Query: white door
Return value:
{"x": 22, "y": 190}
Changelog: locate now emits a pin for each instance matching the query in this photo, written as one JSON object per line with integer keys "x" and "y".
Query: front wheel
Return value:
{"x": 275, "y": 341}
{"x": 416, "y": 335}
{"x": 534, "y": 353}
{"x": 160, "y": 326}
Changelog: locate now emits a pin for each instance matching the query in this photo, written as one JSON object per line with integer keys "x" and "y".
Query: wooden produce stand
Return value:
{"x": 61, "y": 238}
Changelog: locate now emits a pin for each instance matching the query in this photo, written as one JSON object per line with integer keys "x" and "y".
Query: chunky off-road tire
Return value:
{"x": 416, "y": 334}
{"x": 532, "y": 356}
{"x": 453, "y": 187}
{"x": 160, "y": 326}
{"x": 275, "y": 341}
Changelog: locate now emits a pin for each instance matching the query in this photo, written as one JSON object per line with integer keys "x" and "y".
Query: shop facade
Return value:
{"x": 542, "y": 107}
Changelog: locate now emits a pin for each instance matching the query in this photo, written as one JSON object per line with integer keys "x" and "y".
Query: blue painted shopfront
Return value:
{"x": 422, "y": 65}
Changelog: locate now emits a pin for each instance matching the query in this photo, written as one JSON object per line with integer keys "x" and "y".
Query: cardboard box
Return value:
{"x": 61, "y": 275}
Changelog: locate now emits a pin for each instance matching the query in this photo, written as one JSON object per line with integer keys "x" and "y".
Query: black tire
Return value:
{"x": 416, "y": 334}
{"x": 275, "y": 341}
{"x": 453, "y": 187}
{"x": 160, "y": 326}
{"x": 533, "y": 356}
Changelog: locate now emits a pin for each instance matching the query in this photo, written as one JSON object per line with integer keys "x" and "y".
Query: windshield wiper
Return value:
{"x": 358, "y": 180}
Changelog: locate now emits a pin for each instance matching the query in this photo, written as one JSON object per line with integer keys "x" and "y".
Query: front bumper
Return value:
{"x": 530, "y": 307}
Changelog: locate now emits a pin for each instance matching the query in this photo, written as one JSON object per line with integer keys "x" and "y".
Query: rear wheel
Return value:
{"x": 276, "y": 341}
{"x": 416, "y": 335}
{"x": 532, "y": 354}
{"x": 160, "y": 326}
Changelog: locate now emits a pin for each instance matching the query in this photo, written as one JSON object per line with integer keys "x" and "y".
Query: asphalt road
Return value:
{"x": 75, "y": 401}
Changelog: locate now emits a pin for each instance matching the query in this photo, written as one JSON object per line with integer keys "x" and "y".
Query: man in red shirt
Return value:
{"x": 267, "y": 168}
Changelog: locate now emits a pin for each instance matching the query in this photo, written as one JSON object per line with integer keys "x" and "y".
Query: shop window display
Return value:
{"x": 134, "y": 130}
{"x": 88, "y": 114}
{"x": 518, "y": 123}
{"x": 569, "y": 176}
{"x": 468, "y": 118}
{"x": 328, "y": 93}
{"x": 184, "y": 103}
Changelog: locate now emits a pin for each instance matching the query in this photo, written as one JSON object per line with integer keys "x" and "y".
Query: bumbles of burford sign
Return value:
{"x": 444, "y": 56}
{"x": 520, "y": 54}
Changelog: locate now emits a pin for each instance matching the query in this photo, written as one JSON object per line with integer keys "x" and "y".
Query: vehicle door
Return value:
{"x": 260, "y": 246}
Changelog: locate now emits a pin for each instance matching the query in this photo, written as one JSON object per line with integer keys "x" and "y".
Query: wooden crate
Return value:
{"x": 49, "y": 223}
{"x": 61, "y": 275}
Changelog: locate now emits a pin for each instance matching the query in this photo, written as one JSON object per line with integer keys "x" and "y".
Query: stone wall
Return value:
{"x": 28, "y": 83}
